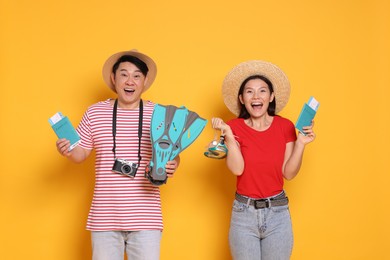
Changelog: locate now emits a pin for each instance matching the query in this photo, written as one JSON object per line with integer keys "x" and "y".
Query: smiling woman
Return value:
{"x": 263, "y": 149}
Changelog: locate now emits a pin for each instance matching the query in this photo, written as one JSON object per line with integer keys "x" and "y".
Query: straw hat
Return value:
{"x": 107, "y": 67}
{"x": 233, "y": 80}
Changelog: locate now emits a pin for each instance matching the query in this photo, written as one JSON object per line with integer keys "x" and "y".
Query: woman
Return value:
{"x": 263, "y": 151}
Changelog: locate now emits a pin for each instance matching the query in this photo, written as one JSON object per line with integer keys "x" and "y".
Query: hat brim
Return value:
{"x": 107, "y": 67}
{"x": 233, "y": 80}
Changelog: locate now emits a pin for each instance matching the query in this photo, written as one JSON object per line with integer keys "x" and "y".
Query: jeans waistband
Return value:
{"x": 278, "y": 200}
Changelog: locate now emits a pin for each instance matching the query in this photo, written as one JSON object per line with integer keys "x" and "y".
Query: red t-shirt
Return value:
{"x": 263, "y": 153}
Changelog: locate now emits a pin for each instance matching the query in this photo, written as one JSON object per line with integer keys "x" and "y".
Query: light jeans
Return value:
{"x": 264, "y": 234}
{"x": 138, "y": 245}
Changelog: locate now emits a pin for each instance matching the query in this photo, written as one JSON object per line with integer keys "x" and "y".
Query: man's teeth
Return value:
{"x": 257, "y": 104}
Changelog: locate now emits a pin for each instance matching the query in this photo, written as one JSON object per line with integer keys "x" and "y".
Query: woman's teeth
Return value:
{"x": 257, "y": 104}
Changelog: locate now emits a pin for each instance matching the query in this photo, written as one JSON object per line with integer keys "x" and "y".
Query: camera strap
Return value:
{"x": 139, "y": 127}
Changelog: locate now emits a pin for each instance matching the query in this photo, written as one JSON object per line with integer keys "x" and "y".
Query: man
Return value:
{"x": 125, "y": 215}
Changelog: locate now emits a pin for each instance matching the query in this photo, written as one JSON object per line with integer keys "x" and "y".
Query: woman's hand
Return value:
{"x": 309, "y": 135}
{"x": 219, "y": 124}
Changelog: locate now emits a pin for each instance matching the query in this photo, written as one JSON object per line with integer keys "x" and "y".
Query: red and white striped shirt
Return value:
{"x": 120, "y": 202}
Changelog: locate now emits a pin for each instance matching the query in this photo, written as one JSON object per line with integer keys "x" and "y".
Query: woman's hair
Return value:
{"x": 271, "y": 108}
{"x": 132, "y": 59}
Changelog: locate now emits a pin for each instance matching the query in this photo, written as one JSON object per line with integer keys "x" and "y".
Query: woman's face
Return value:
{"x": 129, "y": 83}
{"x": 256, "y": 97}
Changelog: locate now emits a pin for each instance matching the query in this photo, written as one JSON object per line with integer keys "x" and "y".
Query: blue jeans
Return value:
{"x": 138, "y": 245}
{"x": 260, "y": 233}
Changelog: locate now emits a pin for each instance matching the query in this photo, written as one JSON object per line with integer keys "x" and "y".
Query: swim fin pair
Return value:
{"x": 173, "y": 129}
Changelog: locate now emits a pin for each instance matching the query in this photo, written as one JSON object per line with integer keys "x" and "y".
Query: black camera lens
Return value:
{"x": 126, "y": 168}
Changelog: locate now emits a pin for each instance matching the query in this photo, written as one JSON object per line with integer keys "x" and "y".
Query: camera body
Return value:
{"x": 124, "y": 167}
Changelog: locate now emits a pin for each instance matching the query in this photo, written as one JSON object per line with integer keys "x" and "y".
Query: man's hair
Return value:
{"x": 134, "y": 60}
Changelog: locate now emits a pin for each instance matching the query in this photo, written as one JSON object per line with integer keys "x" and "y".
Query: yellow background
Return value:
{"x": 51, "y": 57}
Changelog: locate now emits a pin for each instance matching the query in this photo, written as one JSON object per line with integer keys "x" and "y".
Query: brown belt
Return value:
{"x": 263, "y": 203}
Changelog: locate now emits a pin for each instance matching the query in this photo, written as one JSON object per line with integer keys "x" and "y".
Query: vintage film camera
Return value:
{"x": 124, "y": 167}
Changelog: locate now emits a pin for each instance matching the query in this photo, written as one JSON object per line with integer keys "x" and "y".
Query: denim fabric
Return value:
{"x": 264, "y": 234}
{"x": 138, "y": 245}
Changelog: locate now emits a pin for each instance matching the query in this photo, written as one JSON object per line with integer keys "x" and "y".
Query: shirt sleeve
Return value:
{"x": 234, "y": 125}
{"x": 290, "y": 133}
{"x": 85, "y": 133}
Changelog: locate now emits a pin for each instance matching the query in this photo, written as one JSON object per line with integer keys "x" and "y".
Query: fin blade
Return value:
{"x": 177, "y": 125}
{"x": 157, "y": 125}
{"x": 189, "y": 136}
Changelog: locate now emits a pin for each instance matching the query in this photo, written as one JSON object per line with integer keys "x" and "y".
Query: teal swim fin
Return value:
{"x": 157, "y": 129}
{"x": 193, "y": 128}
{"x": 177, "y": 123}
{"x": 172, "y": 130}
{"x": 161, "y": 143}
{"x": 157, "y": 125}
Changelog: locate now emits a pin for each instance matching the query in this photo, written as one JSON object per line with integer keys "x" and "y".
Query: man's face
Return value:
{"x": 129, "y": 84}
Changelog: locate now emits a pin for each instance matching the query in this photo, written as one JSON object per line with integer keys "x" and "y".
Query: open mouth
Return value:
{"x": 129, "y": 90}
{"x": 257, "y": 105}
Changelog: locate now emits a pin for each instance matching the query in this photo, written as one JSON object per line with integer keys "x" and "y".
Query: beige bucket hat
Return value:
{"x": 107, "y": 67}
{"x": 233, "y": 80}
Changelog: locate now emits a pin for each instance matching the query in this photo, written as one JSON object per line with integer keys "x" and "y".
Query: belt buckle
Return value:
{"x": 266, "y": 201}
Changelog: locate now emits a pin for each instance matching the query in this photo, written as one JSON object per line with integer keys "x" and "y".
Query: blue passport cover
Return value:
{"x": 307, "y": 115}
{"x": 65, "y": 129}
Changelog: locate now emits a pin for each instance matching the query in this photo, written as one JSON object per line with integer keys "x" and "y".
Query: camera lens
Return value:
{"x": 126, "y": 168}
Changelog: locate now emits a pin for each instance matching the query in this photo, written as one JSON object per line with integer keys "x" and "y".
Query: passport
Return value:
{"x": 307, "y": 114}
{"x": 63, "y": 128}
